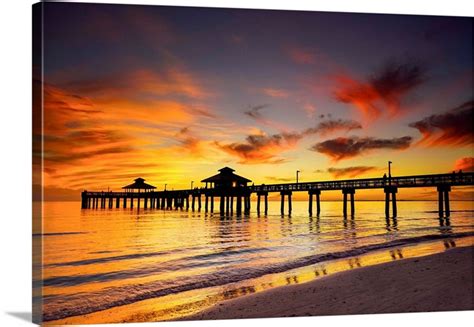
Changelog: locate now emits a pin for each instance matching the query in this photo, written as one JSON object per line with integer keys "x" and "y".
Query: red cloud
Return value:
{"x": 453, "y": 127}
{"x": 381, "y": 92}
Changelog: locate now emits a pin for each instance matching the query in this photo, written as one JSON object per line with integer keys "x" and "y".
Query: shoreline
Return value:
{"x": 437, "y": 282}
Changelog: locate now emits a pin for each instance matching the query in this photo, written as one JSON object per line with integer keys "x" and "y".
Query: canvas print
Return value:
{"x": 206, "y": 163}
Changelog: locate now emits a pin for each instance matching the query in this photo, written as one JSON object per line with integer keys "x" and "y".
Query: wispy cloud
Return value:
{"x": 310, "y": 110}
{"x": 275, "y": 93}
{"x": 383, "y": 91}
{"x": 261, "y": 148}
{"x": 301, "y": 55}
{"x": 174, "y": 80}
{"x": 348, "y": 147}
{"x": 454, "y": 127}
{"x": 255, "y": 111}
{"x": 329, "y": 126}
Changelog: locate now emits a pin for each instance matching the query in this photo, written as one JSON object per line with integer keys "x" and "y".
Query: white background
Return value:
{"x": 15, "y": 154}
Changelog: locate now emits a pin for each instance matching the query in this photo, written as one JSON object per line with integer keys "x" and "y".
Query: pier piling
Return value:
{"x": 351, "y": 192}
{"x": 282, "y": 204}
{"x": 390, "y": 191}
{"x": 443, "y": 200}
{"x": 310, "y": 201}
{"x": 239, "y": 205}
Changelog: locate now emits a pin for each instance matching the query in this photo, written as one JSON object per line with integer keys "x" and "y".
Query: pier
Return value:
{"x": 234, "y": 193}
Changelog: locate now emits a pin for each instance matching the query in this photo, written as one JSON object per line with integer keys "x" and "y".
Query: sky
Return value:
{"x": 172, "y": 94}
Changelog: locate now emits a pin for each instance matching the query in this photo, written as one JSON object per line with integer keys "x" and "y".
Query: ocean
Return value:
{"x": 118, "y": 265}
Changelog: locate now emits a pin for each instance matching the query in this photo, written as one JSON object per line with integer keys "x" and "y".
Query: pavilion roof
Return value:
{"x": 226, "y": 174}
{"x": 139, "y": 184}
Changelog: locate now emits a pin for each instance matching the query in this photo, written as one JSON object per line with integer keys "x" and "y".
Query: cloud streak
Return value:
{"x": 301, "y": 56}
{"x": 453, "y": 127}
{"x": 348, "y": 147}
{"x": 275, "y": 93}
{"x": 329, "y": 126}
{"x": 174, "y": 80}
{"x": 255, "y": 111}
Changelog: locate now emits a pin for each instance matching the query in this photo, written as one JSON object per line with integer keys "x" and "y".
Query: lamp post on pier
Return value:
{"x": 297, "y": 175}
{"x": 165, "y": 186}
{"x": 389, "y": 173}
{"x": 192, "y": 182}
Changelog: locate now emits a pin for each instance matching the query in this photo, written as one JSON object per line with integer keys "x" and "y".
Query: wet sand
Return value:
{"x": 439, "y": 282}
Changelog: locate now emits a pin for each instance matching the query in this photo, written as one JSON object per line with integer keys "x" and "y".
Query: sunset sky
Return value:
{"x": 173, "y": 94}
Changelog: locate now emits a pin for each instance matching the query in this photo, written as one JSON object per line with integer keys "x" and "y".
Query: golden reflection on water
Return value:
{"x": 154, "y": 246}
{"x": 188, "y": 303}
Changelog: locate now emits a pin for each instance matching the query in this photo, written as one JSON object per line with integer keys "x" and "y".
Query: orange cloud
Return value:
{"x": 102, "y": 135}
{"x": 170, "y": 81}
{"x": 464, "y": 164}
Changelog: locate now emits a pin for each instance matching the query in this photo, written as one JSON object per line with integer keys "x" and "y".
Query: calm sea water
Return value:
{"x": 154, "y": 265}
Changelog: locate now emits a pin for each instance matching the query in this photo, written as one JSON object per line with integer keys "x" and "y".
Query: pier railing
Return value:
{"x": 454, "y": 179}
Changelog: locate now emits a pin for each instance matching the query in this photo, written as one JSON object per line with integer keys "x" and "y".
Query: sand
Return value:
{"x": 439, "y": 282}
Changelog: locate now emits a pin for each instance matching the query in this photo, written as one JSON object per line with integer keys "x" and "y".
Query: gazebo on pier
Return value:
{"x": 226, "y": 179}
{"x": 139, "y": 184}
{"x": 228, "y": 186}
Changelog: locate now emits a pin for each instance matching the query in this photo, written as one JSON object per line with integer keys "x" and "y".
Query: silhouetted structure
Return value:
{"x": 231, "y": 188}
{"x": 228, "y": 187}
{"x": 139, "y": 184}
{"x": 226, "y": 179}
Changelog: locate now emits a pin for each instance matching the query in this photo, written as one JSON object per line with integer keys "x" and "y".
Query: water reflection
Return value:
{"x": 444, "y": 222}
{"x": 236, "y": 292}
{"x": 391, "y": 224}
{"x": 320, "y": 272}
{"x": 350, "y": 233}
{"x": 449, "y": 244}
{"x": 314, "y": 225}
{"x": 396, "y": 254}
{"x": 286, "y": 227}
{"x": 354, "y": 263}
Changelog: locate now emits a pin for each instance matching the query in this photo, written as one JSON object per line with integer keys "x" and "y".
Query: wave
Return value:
{"x": 197, "y": 261}
{"x": 85, "y": 303}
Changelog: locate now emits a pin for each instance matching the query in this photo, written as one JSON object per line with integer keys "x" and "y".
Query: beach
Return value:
{"x": 438, "y": 282}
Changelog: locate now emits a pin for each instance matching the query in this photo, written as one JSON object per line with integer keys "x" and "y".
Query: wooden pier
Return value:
{"x": 233, "y": 192}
